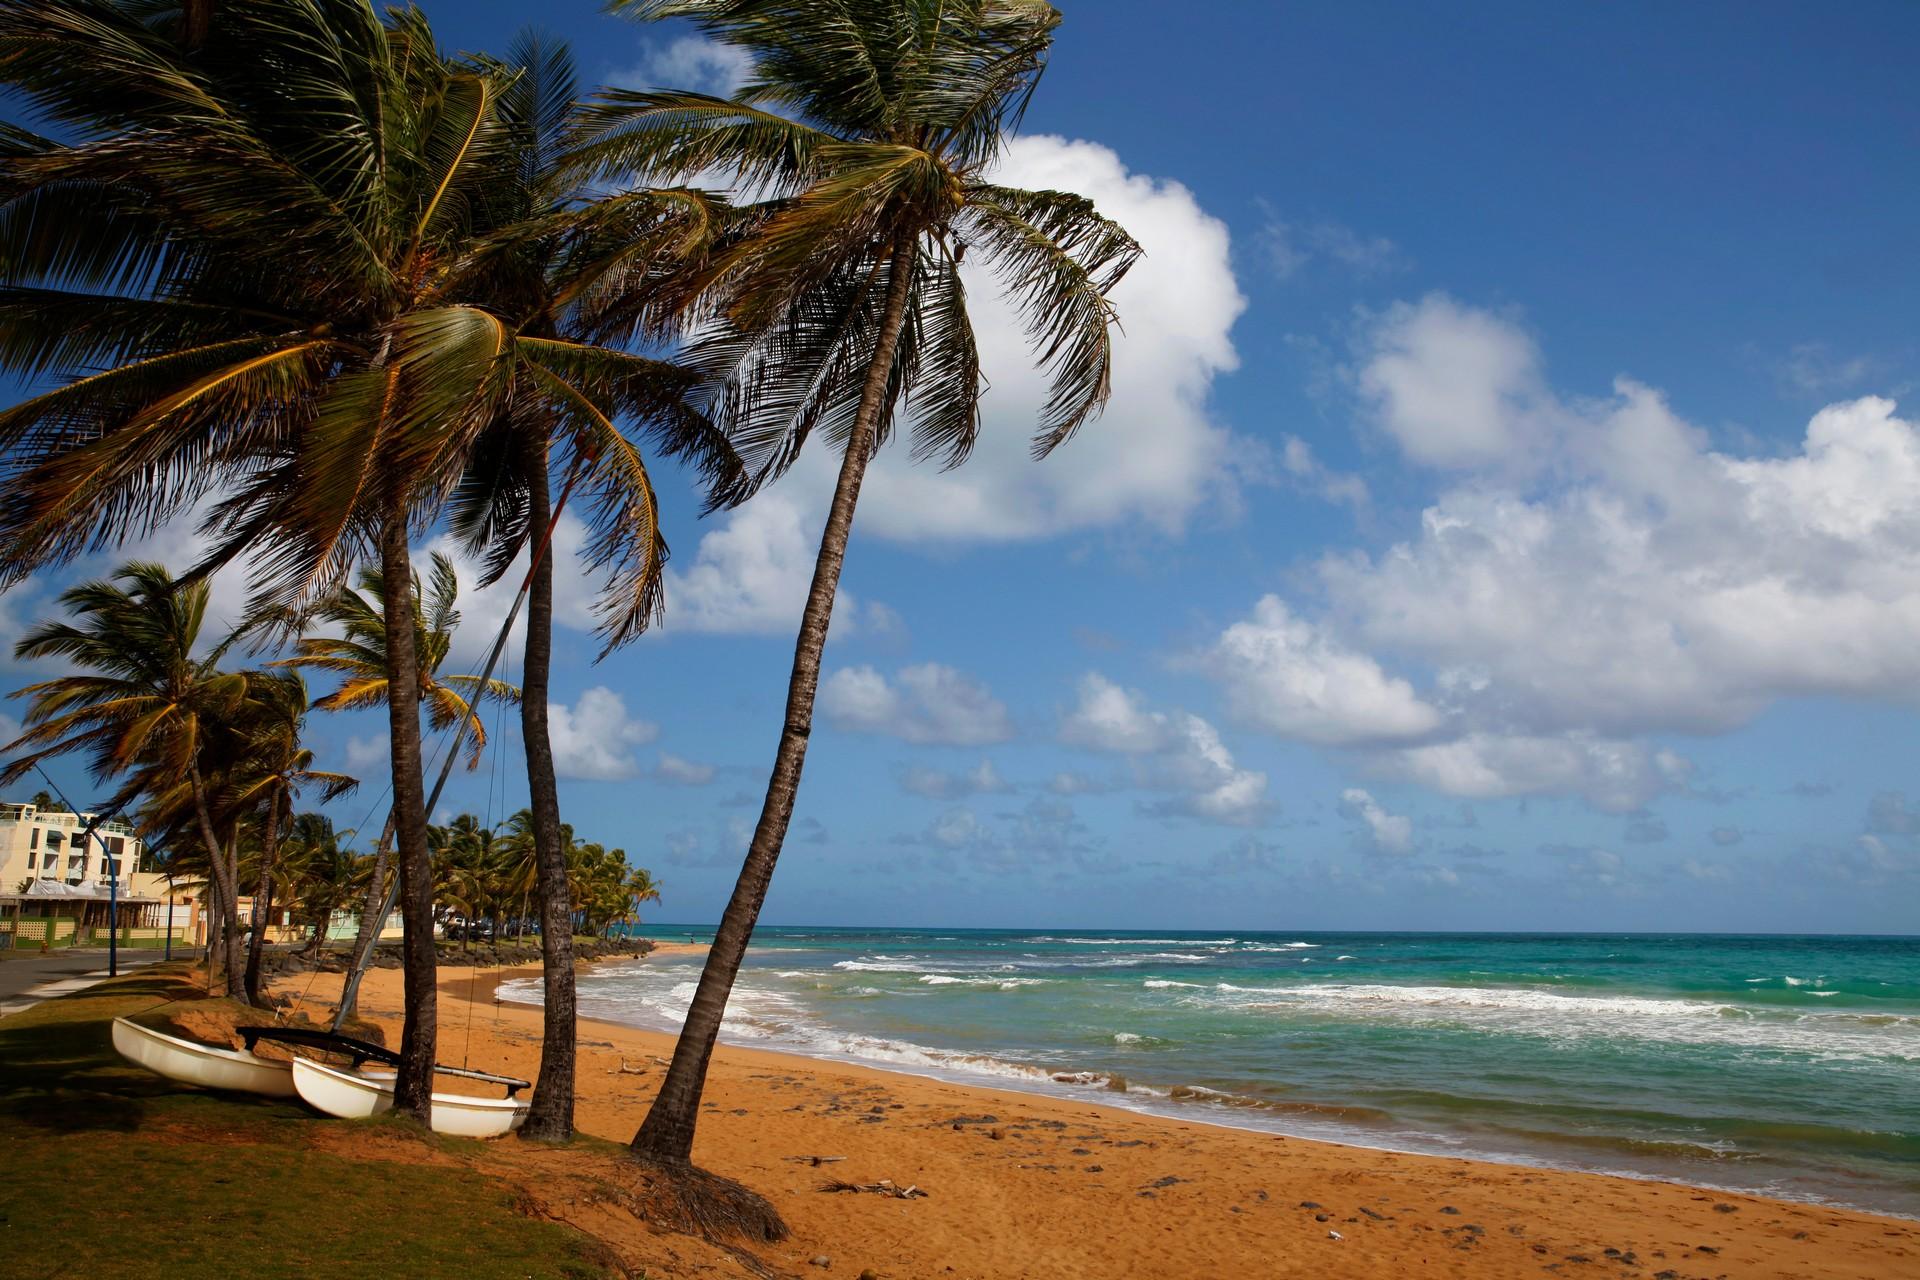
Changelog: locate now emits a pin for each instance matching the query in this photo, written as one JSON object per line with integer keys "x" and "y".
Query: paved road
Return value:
{"x": 21, "y": 973}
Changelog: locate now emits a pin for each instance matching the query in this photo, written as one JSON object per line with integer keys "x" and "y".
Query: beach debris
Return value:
{"x": 629, "y": 1069}
{"x": 816, "y": 1161}
{"x": 1374, "y": 1214}
{"x": 1723, "y": 1207}
{"x": 1305, "y": 1204}
{"x": 820, "y": 1260}
{"x": 868, "y": 1274}
{"x": 884, "y": 1187}
{"x": 1447, "y": 1208}
{"x": 1167, "y": 1181}
{"x": 1335, "y": 1235}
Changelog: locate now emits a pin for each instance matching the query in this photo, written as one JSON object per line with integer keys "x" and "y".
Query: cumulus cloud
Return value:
{"x": 688, "y": 63}
{"x": 1611, "y": 775}
{"x": 938, "y": 784}
{"x": 1386, "y": 832}
{"x": 1594, "y": 573}
{"x": 929, "y": 703}
{"x": 1454, "y": 386}
{"x": 1288, "y": 676}
{"x": 1172, "y": 751}
{"x": 594, "y": 737}
{"x": 1155, "y": 457}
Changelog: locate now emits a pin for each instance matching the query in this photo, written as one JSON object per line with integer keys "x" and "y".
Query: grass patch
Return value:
{"x": 110, "y": 1171}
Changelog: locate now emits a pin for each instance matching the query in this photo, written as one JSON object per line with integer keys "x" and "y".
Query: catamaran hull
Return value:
{"x": 200, "y": 1064}
{"x": 356, "y": 1097}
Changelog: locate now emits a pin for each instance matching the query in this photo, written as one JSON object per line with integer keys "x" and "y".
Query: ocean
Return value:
{"x": 1788, "y": 1066}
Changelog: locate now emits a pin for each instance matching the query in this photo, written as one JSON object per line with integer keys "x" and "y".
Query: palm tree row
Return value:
{"x": 311, "y": 278}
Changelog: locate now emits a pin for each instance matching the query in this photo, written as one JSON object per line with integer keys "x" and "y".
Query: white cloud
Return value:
{"x": 928, "y": 703}
{"x": 1285, "y": 675}
{"x": 594, "y": 737}
{"x": 982, "y": 779}
{"x": 1155, "y": 457}
{"x": 10, "y": 728}
{"x": 1388, "y": 832}
{"x": 1601, "y": 575}
{"x": 1173, "y": 751}
{"x": 1670, "y": 588}
{"x": 1109, "y": 718}
{"x": 1455, "y": 387}
{"x": 691, "y": 63}
{"x": 751, "y": 575}
{"x": 1611, "y": 775}
{"x": 686, "y": 773}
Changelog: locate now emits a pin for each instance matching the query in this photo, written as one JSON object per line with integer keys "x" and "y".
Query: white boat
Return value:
{"x": 353, "y": 1096}
{"x": 200, "y": 1064}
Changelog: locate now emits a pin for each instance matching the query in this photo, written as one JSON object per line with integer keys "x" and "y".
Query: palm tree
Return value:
{"x": 568, "y": 269}
{"x": 251, "y": 252}
{"x": 147, "y": 706}
{"x": 868, "y": 133}
{"x": 273, "y": 769}
{"x": 317, "y": 873}
{"x": 359, "y": 656}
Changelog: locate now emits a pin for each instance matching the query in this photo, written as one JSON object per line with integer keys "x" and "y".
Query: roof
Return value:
{"x": 57, "y": 889}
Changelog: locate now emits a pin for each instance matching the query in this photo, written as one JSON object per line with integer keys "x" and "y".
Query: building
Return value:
{"x": 58, "y": 880}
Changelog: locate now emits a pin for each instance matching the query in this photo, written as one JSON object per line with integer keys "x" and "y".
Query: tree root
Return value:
{"x": 686, "y": 1198}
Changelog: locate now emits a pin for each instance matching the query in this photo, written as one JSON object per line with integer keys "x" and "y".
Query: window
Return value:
{"x": 33, "y": 841}
{"x": 31, "y": 855}
{"x": 54, "y": 840}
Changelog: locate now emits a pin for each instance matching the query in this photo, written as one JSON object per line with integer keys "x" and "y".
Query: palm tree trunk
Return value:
{"x": 666, "y": 1135}
{"x": 263, "y": 899}
{"x": 225, "y": 893}
{"x": 413, "y": 1090}
{"x": 363, "y": 938}
{"x": 551, "y": 1116}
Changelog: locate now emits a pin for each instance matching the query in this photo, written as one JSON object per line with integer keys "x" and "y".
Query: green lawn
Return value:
{"x": 108, "y": 1171}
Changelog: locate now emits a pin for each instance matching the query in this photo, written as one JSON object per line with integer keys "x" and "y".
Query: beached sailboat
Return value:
{"x": 192, "y": 1063}
{"x": 354, "y": 1096}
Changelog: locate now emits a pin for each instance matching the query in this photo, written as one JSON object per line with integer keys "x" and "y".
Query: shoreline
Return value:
{"x": 1031, "y": 1185}
{"x": 1157, "y": 1106}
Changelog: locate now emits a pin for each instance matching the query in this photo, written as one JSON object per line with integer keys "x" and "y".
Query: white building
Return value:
{"x": 53, "y": 870}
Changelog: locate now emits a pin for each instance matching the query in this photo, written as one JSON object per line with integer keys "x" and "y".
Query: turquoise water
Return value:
{"x": 1787, "y": 1065}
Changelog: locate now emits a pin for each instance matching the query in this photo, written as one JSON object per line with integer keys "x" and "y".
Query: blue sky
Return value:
{"x": 1508, "y": 515}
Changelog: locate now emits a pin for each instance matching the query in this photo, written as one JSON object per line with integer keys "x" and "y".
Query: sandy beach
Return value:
{"x": 1025, "y": 1186}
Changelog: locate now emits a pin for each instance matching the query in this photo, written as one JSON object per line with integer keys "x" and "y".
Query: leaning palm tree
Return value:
{"x": 249, "y": 251}
{"x": 867, "y": 135}
{"x": 359, "y": 656}
{"x": 142, "y": 705}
